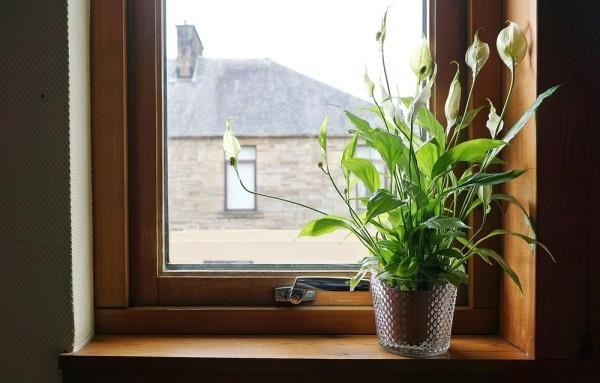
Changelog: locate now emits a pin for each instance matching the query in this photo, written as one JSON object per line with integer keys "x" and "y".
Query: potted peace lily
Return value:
{"x": 415, "y": 229}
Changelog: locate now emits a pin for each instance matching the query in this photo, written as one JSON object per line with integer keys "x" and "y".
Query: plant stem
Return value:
{"x": 274, "y": 197}
{"x": 382, "y": 114}
{"x": 458, "y": 127}
{"x": 353, "y": 214}
{"x": 385, "y": 75}
{"x": 488, "y": 159}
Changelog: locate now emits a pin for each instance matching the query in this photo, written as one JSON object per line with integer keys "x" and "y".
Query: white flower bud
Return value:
{"x": 485, "y": 195}
{"x": 369, "y": 85}
{"x": 452, "y": 106}
{"x": 494, "y": 123}
{"x": 380, "y": 36}
{"x": 421, "y": 62}
{"x": 389, "y": 110}
{"x": 231, "y": 145}
{"x": 477, "y": 54}
{"x": 512, "y": 45}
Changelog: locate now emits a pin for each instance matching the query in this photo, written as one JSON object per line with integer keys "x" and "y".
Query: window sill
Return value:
{"x": 241, "y": 214}
{"x": 297, "y": 358}
{"x": 344, "y": 354}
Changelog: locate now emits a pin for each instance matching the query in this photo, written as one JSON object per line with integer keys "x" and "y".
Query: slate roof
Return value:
{"x": 262, "y": 97}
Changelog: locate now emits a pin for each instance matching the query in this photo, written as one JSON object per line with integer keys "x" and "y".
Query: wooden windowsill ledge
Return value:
{"x": 347, "y": 353}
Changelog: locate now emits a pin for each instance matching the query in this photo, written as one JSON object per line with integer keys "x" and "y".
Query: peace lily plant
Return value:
{"x": 416, "y": 228}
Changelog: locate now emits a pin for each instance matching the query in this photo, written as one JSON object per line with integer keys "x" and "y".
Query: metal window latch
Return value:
{"x": 304, "y": 289}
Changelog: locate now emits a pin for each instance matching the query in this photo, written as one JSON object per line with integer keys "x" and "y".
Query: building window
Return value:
{"x": 371, "y": 154}
{"x": 236, "y": 198}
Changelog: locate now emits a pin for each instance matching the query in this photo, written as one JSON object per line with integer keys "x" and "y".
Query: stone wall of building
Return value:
{"x": 285, "y": 167}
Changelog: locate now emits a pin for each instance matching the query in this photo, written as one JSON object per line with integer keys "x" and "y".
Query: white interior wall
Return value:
{"x": 45, "y": 236}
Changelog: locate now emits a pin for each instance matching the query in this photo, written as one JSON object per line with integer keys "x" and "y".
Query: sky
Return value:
{"x": 329, "y": 40}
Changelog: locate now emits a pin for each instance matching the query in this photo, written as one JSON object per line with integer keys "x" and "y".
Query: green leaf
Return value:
{"x": 323, "y": 225}
{"x": 449, "y": 253}
{"x": 323, "y": 137}
{"x": 427, "y": 155}
{"x": 491, "y": 178}
{"x": 514, "y": 201}
{"x": 395, "y": 217}
{"x": 357, "y": 278}
{"x": 469, "y": 117}
{"x": 381, "y": 202}
{"x": 527, "y": 239}
{"x": 391, "y": 149}
{"x": 457, "y": 277}
{"x": 428, "y": 121}
{"x": 445, "y": 223}
{"x": 348, "y": 153}
{"x": 363, "y": 127}
{"x": 416, "y": 193}
{"x": 516, "y": 128}
{"x": 392, "y": 246}
{"x": 489, "y": 253}
{"x": 365, "y": 171}
{"x": 406, "y": 101}
{"x": 466, "y": 151}
{"x": 512, "y": 132}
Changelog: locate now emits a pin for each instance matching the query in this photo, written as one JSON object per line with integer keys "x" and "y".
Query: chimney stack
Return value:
{"x": 189, "y": 47}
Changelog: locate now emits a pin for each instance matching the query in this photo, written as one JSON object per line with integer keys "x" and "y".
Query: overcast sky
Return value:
{"x": 329, "y": 40}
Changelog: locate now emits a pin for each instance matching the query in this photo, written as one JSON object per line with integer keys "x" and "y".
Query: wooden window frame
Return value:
{"x": 132, "y": 292}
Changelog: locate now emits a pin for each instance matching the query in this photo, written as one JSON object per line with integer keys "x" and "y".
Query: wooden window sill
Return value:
{"x": 297, "y": 358}
{"x": 276, "y": 353}
{"x": 236, "y": 348}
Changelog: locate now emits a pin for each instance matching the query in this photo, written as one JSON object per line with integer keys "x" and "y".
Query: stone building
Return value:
{"x": 276, "y": 113}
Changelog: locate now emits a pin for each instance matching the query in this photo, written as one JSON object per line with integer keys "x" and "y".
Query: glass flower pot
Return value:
{"x": 414, "y": 323}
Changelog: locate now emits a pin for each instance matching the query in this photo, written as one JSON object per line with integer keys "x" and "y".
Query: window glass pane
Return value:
{"x": 247, "y": 153}
{"x": 237, "y": 197}
{"x": 276, "y": 68}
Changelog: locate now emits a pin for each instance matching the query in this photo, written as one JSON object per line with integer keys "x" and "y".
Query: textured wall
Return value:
{"x": 36, "y": 303}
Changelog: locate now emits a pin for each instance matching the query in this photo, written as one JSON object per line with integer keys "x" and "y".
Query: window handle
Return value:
{"x": 304, "y": 289}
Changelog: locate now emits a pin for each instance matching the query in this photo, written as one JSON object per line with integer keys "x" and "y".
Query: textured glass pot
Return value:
{"x": 414, "y": 323}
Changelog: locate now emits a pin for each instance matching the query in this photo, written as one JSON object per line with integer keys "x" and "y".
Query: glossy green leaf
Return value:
{"x": 466, "y": 151}
{"x": 392, "y": 150}
{"x": 427, "y": 156}
{"x": 449, "y": 253}
{"x": 516, "y": 128}
{"x": 381, "y": 202}
{"x": 428, "y": 121}
{"x": 323, "y": 225}
{"x": 362, "y": 126}
{"x": 349, "y": 152}
{"x": 514, "y": 201}
{"x": 417, "y": 194}
{"x": 469, "y": 117}
{"x": 457, "y": 277}
{"x": 491, "y": 178}
{"x": 445, "y": 223}
{"x": 365, "y": 171}
{"x": 489, "y": 253}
